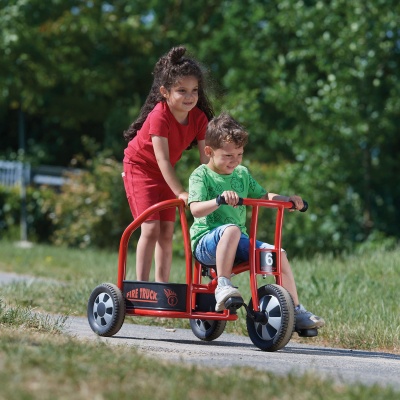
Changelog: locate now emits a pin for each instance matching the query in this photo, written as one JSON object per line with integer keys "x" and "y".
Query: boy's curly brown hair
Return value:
{"x": 225, "y": 129}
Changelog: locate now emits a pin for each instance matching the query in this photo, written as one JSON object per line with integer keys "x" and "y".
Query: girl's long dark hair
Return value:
{"x": 167, "y": 72}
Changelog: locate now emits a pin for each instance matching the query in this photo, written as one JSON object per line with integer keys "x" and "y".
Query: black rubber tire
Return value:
{"x": 106, "y": 309}
{"x": 207, "y": 330}
{"x": 277, "y": 303}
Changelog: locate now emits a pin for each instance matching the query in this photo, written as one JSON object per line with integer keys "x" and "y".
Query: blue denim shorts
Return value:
{"x": 206, "y": 249}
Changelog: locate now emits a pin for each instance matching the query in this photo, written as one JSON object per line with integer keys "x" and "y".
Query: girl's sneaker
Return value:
{"x": 306, "y": 320}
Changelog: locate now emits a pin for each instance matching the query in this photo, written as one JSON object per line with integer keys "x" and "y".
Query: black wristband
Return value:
{"x": 218, "y": 200}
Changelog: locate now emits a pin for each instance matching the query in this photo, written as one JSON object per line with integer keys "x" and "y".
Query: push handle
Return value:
{"x": 221, "y": 200}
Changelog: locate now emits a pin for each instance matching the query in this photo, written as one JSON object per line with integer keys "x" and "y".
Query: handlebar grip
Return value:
{"x": 221, "y": 200}
{"x": 305, "y": 207}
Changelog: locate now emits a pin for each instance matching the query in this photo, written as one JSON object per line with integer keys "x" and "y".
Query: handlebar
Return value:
{"x": 221, "y": 201}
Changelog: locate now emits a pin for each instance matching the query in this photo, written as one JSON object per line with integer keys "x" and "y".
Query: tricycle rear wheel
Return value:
{"x": 275, "y": 332}
{"x": 106, "y": 309}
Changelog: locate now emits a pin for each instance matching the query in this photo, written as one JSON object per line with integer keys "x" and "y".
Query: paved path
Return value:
{"x": 180, "y": 345}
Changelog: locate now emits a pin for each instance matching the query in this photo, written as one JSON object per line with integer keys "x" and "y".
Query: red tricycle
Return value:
{"x": 270, "y": 317}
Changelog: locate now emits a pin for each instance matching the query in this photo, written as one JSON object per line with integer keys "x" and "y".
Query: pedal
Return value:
{"x": 207, "y": 271}
{"x": 234, "y": 303}
{"x": 307, "y": 332}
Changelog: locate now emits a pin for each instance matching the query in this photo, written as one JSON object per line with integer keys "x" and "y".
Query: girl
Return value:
{"x": 173, "y": 118}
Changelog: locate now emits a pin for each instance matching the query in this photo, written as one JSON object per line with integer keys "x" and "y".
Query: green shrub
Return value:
{"x": 334, "y": 220}
{"x": 39, "y": 203}
{"x": 10, "y": 205}
{"x": 92, "y": 208}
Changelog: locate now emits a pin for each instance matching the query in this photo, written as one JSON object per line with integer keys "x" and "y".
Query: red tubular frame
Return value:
{"x": 194, "y": 277}
{"x": 256, "y": 203}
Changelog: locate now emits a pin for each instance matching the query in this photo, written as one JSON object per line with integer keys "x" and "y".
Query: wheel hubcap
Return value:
{"x": 270, "y": 306}
{"x": 203, "y": 325}
{"x": 103, "y": 309}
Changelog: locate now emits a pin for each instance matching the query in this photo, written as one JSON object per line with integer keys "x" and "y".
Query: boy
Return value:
{"x": 218, "y": 234}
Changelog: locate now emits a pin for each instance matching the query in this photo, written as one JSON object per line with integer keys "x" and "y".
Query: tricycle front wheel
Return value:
{"x": 276, "y": 330}
{"x": 207, "y": 330}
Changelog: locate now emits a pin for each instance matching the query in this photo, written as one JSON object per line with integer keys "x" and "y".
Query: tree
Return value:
{"x": 74, "y": 68}
{"x": 316, "y": 84}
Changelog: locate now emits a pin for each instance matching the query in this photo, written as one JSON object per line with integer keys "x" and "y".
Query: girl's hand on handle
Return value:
{"x": 184, "y": 196}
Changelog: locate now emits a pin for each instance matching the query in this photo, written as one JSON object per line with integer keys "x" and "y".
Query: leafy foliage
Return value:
{"x": 316, "y": 84}
{"x": 92, "y": 207}
{"x": 39, "y": 204}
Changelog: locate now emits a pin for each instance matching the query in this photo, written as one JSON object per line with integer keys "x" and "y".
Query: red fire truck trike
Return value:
{"x": 270, "y": 317}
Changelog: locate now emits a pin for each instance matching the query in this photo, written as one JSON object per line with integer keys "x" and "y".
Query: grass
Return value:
{"x": 40, "y": 365}
{"x": 25, "y": 318}
{"x": 354, "y": 294}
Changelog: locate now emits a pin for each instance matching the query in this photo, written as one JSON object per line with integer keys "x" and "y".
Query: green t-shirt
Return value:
{"x": 205, "y": 184}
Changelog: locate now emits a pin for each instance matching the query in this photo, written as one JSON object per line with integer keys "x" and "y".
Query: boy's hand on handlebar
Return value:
{"x": 231, "y": 197}
{"x": 298, "y": 203}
